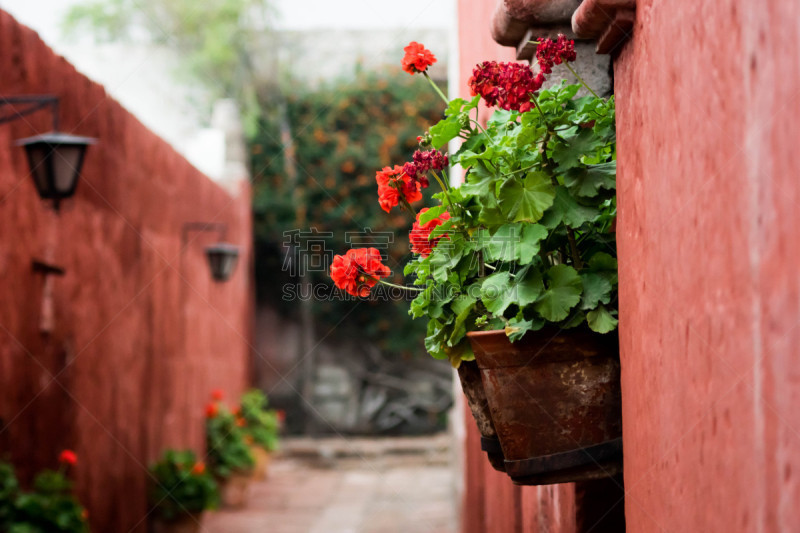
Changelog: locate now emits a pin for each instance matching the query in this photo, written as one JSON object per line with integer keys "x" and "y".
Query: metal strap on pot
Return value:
{"x": 491, "y": 445}
{"x": 598, "y": 453}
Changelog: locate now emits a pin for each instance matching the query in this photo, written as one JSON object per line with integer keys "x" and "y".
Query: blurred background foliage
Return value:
{"x": 337, "y": 134}
{"x": 342, "y": 133}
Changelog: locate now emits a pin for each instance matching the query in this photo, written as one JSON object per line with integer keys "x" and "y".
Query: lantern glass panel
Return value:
{"x": 37, "y": 157}
{"x": 67, "y": 161}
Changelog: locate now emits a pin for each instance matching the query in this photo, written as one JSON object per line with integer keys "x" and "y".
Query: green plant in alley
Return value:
{"x": 181, "y": 486}
{"x": 528, "y": 239}
{"x": 50, "y": 507}
{"x": 228, "y": 450}
{"x": 260, "y": 423}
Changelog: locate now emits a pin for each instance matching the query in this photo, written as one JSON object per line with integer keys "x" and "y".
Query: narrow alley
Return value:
{"x": 342, "y": 485}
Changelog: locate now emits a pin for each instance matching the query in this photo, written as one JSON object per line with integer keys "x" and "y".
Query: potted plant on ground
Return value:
{"x": 229, "y": 455}
{"x": 182, "y": 489}
{"x": 517, "y": 267}
{"x": 49, "y": 507}
{"x": 262, "y": 426}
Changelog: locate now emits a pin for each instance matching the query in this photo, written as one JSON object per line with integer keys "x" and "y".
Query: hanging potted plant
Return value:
{"x": 182, "y": 488}
{"x": 515, "y": 269}
{"x": 228, "y": 451}
{"x": 261, "y": 427}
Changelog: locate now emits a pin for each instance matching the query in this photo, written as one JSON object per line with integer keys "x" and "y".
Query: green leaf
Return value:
{"x": 601, "y": 321}
{"x": 567, "y": 210}
{"x": 431, "y": 213}
{"x": 563, "y": 293}
{"x": 462, "y": 307}
{"x": 587, "y": 181}
{"x": 496, "y": 293}
{"x": 529, "y": 287}
{"x": 532, "y": 236}
{"x": 596, "y": 289}
{"x": 504, "y": 244}
{"x": 445, "y": 130}
{"x": 526, "y": 199}
{"x": 604, "y": 263}
{"x": 517, "y": 328}
{"x": 568, "y": 154}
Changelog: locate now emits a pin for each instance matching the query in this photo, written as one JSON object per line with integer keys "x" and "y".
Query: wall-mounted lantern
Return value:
{"x": 55, "y": 158}
{"x": 222, "y": 256}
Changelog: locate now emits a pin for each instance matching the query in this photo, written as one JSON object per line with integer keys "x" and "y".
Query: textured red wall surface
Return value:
{"x": 141, "y": 332}
{"x": 709, "y": 254}
{"x": 492, "y": 503}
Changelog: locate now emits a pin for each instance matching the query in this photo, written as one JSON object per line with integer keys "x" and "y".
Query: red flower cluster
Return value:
{"x": 212, "y": 410}
{"x": 506, "y": 85}
{"x": 550, "y": 53}
{"x": 394, "y": 185}
{"x": 420, "y": 234}
{"x": 199, "y": 468}
{"x": 358, "y": 271}
{"x": 422, "y": 163}
{"x": 417, "y": 58}
{"x": 217, "y": 394}
{"x": 68, "y": 457}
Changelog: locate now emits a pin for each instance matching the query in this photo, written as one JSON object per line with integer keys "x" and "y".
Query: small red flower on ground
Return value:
{"x": 199, "y": 468}
{"x": 417, "y": 58}
{"x": 68, "y": 457}
{"x": 358, "y": 270}
{"x": 420, "y": 234}
{"x": 212, "y": 410}
{"x": 281, "y": 415}
{"x": 394, "y": 185}
{"x": 217, "y": 394}
{"x": 240, "y": 422}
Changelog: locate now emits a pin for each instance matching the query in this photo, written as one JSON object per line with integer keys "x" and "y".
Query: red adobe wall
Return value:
{"x": 140, "y": 332}
{"x": 491, "y": 502}
{"x": 709, "y": 254}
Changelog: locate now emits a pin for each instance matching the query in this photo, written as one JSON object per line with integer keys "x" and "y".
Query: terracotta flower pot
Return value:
{"x": 555, "y": 402}
{"x": 471, "y": 384}
{"x": 262, "y": 459}
{"x": 234, "y": 490}
{"x": 187, "y": 523}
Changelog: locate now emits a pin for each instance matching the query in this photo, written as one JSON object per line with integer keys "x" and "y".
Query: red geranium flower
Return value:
{"x": 506, "y": 85}
{"x": 199, "y": 468}
{"x": 549, "y": 53}
{"x": 212, "y": 410}
{"x": 417, "y": 58}
{"x": 394, "y": 185}
{"x": 217, "y": 394}
{"x": 420, "y": 234}
{"x": 358, "y": 271}
{"x": 68, "y": 457}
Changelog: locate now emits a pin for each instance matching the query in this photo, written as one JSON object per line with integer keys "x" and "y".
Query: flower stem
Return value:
{"x": 581, "y": 80}
{"x": 407, "y": 205}
{"x": 396, "y": 286}
{"x": 436, "y": 88}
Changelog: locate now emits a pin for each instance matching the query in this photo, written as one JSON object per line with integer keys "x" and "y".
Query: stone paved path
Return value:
{"x": 350, "y": 486}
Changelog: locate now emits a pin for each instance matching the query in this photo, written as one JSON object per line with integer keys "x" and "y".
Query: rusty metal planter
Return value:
{"x": 472, "y": 385}
{"x": 555, "y": 403}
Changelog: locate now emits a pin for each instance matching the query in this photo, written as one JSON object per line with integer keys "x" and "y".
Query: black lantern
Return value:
{"x": 222, "y": 258}
{"x": 55, "y": 160}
